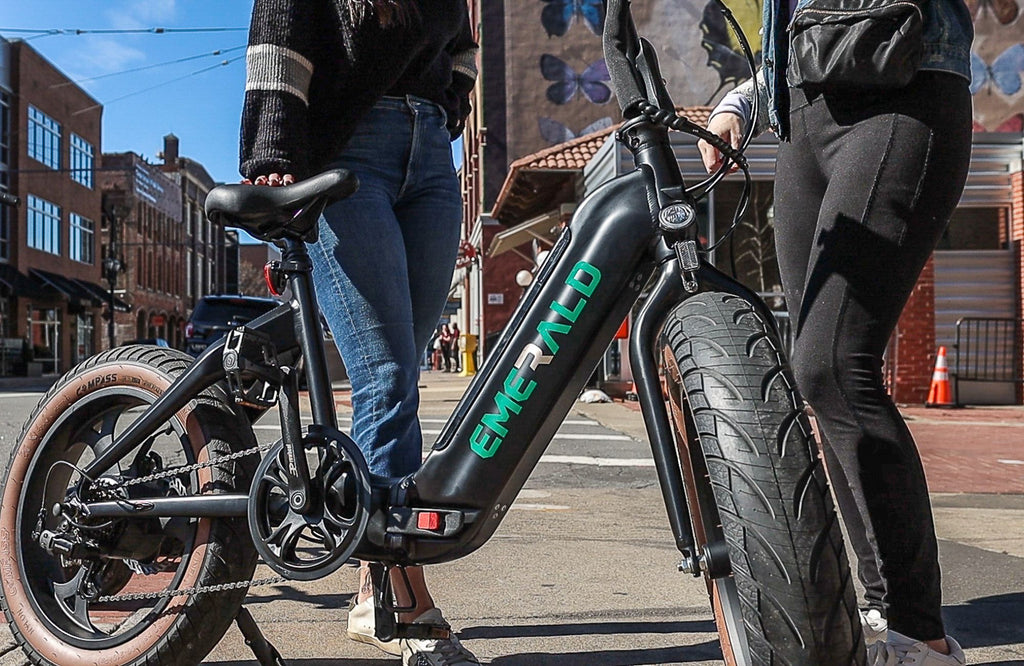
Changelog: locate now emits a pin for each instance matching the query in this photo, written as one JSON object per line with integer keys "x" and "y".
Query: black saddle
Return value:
{"x": 274, "y": 213}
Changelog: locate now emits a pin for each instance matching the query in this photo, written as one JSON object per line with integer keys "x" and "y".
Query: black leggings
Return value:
{"x": 863, "y": 191}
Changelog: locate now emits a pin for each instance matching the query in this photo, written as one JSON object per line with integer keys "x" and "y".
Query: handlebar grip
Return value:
{"x": 620, "y": 48}
{"x": 9, "y": 199}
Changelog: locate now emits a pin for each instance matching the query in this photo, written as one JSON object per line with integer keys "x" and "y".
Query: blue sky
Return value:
{"x": 202, "y": 109}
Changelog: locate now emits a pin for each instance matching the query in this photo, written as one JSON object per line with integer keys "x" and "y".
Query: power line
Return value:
{"x": 145, "y": 67}
{"x": 223, "y": 63}
{"x": 116, "y": 31}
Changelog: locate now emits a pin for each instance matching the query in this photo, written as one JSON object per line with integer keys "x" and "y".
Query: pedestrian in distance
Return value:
{"x": 456, "y": 347}
{"x": 866, "y": 181}
{"x": 446, "y": 347}
{"x": 380, "y": 88}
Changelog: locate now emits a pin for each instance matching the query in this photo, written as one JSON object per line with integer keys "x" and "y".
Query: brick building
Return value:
{"x": 51, "y": 293}
{"x": 211, "y": 253}
{"x": 144, "y": 230}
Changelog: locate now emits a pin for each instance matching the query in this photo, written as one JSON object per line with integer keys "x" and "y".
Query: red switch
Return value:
{"x": 428, "y": 520}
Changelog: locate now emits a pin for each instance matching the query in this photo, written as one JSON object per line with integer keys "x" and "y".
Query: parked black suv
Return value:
{"x": 214, "y": 316}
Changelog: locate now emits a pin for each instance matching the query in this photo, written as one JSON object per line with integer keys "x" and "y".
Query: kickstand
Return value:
{"x": 266, "y": 654}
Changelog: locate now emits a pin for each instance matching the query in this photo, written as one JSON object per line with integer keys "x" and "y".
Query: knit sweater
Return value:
{"x": 313, "y": 71}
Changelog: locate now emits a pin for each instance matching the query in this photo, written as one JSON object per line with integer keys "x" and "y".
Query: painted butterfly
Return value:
{"x": 555, "y": 132}
{"x": 559, "y": 15}
{"x": 567, "y": 82}
{"x": 1004, "y": 72}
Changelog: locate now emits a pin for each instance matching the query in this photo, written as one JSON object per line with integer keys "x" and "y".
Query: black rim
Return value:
{"x": 75, "y": 437}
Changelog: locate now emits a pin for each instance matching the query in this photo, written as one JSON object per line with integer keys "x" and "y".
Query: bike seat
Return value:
{"x": 272, "y": 213}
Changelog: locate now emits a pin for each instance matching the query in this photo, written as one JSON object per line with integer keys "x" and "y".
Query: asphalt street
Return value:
{"x": 583, "y": 569}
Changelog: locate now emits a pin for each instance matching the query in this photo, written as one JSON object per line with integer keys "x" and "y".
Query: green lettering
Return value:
{"x": 584, "y": 288}
{"x": 506, "y": 406}
{"x": 571, "y": 315}
{"x": 545, "y": 326}
{"x": 514, "y": 386}
{"x": 483, "y": 444}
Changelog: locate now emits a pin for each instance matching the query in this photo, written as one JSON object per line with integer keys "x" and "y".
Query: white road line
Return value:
{"x": 1011, "y": 462}
{"x": 599, "y": 462}
{"x": 597, "y": 437}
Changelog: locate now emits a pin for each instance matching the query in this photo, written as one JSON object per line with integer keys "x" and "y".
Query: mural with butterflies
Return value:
{"x": 557, "y": 84}
{"x": 997, "y": 65}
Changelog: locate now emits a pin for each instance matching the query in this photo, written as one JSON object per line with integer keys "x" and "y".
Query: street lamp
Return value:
{"x": 111, "y": 267}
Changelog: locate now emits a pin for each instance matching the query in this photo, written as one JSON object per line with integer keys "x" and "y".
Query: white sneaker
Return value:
{"x": 435, "y": 652}
{"x": 361, "y": 623}
{"x": 875, "y": 626}
{"x": 900, "y": 650}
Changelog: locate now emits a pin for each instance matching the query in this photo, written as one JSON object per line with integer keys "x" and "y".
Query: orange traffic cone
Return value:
{"x": 939, "y": 393}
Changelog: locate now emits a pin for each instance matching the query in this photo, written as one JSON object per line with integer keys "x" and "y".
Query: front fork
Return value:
{"x": 672, "y": 286}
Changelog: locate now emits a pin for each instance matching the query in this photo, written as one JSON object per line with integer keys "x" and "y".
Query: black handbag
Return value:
{"x": 855, "y": 44}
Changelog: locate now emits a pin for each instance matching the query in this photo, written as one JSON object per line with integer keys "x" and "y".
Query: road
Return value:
{"x": 582, "y": 571}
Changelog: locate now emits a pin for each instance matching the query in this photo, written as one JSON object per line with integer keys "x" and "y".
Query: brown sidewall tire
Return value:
{"x": 18, "y": 605}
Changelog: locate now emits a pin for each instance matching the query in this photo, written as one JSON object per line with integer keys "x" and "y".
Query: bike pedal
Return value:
{"x": 426, "y": 632}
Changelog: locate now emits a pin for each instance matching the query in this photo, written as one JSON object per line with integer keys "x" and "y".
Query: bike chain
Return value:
{"x": 198, "y": 589}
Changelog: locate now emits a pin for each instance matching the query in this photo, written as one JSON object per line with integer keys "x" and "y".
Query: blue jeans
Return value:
{"x": 382, "y": 267}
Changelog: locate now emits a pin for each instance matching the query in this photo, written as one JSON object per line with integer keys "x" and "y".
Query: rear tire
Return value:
{"x": 79, "y": 416}
{"x": 756, "y": 481}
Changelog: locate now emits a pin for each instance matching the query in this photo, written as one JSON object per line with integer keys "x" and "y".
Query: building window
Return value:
{"x": 43, "y": 225}
{"x": 82, "y": 239}
{"x": 83, "y": 346}
{"x": 43, "y": 138}
{"x": 81, "y": 161}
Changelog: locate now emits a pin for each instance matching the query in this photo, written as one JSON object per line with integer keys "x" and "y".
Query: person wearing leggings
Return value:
{"x": 865, "y": 186}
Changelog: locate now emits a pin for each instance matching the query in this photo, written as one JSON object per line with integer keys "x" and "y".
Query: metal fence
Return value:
{"x": 987, "y": 350}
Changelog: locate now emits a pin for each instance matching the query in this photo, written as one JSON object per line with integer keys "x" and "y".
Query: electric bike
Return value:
{"x": 137, "y": 500}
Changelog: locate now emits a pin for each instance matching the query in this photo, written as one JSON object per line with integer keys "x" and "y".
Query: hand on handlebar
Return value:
{"x": 273, "y": 180}
{"x": 729, "y": 126}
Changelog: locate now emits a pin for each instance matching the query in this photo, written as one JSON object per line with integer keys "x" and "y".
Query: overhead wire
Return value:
{"x": 222, "y": 63}
{"x": 153, "y": 66}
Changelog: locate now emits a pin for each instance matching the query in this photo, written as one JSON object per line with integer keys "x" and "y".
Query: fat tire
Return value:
{"x": 777, "y": 516}
{"x": 202, "y": 619}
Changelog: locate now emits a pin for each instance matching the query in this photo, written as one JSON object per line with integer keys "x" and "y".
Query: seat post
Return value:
{"x": 296, "y": 264}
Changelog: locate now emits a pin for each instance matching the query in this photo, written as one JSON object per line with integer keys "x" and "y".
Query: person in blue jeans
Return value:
{"x": 378, "y": 87}
{"x": 865, "y": 184}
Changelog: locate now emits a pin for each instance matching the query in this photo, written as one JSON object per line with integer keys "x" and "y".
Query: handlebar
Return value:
{"x": 632, "y": 62}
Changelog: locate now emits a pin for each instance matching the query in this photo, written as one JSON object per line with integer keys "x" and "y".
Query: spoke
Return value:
{"x": 67, "y": 594}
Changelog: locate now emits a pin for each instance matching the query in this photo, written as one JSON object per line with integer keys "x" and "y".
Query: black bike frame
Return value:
{"x": 515, "y": 404}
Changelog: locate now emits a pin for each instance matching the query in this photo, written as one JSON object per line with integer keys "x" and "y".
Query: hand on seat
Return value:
{"x": 273, "y": 180}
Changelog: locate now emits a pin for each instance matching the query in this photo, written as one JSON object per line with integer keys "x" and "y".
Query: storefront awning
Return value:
{"x": 543, "y": 228}
{"x": 79, "y": 292}
{"x": 16, "y": 283}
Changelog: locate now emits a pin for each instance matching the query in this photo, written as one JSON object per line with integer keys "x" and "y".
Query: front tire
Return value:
{"x": 756, "y": 481}
{"x": 53, "y": 620}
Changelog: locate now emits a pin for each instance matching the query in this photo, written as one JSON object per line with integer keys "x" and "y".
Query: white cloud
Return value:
{"x": 137, "y": 14}
{"x": 104, "y": 55}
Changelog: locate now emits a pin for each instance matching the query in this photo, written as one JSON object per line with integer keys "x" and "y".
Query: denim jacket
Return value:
{"x": 948, "y": 33}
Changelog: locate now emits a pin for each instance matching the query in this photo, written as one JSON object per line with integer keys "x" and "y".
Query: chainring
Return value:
{"x": 311, "y": 546}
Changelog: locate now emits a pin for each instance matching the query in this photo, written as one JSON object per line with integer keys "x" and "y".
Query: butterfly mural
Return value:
{"x": 1005, "y": 11}
{"x": 591, "y": 82}
{"x": 725, "y": 54}
{"x": 1003, "y": 72}
{"x": 555, "y": 132}
{"x": 559, "y": 15}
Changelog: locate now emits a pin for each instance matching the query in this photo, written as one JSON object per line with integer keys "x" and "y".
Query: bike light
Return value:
{"x": 428, "y": 520}
{"x": 273, "y": 276}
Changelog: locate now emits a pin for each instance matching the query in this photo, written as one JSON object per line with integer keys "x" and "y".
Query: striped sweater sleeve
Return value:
{"x": 464, "y": 50}
{"x": 279, "y": 67}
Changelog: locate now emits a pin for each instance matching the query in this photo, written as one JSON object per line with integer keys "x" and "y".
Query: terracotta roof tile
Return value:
{"x": 571, "y": 156}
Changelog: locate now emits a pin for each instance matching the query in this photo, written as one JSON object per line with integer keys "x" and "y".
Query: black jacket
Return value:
{"x": 313, "y": 72}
